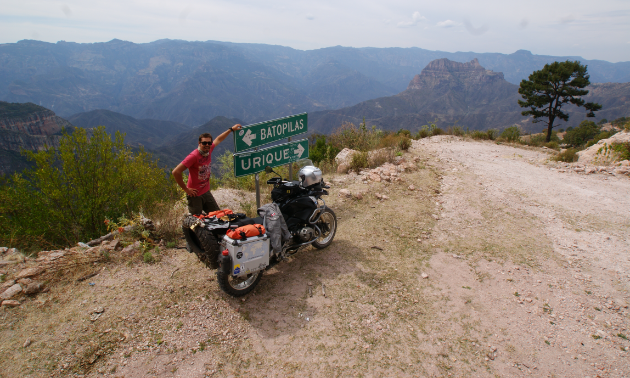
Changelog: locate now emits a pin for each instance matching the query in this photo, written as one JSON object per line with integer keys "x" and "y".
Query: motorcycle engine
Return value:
{"x": 306, "y": 233}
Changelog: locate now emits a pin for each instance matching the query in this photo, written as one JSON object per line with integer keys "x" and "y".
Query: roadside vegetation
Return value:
{"x": 71, "y": 191}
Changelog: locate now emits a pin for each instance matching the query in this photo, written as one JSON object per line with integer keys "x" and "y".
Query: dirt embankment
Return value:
{"x": 477, "y": 260}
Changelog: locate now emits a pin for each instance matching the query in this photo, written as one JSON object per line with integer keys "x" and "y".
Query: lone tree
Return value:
{"x": 547, "y": 90}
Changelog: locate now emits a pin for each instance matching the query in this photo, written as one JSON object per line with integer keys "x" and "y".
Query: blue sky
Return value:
{"x": 591, "y": 29}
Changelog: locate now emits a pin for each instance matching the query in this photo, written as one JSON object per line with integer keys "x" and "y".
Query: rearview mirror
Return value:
{"x": 268, "y": 169}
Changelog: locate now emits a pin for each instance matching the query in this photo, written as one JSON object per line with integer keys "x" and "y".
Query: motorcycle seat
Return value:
{"x": 245, "y": 221}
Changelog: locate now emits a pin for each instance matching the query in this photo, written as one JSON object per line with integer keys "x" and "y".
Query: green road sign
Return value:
{"x": 262, "y": 133}
{"x": 251, "y": 162}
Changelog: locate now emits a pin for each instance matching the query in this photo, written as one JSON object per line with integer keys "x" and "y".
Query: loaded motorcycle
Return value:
{"x": 240, "y": 262}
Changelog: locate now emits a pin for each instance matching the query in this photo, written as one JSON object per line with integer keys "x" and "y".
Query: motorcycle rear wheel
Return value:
{"x": 236, "y": 286}
{"x": 328, "y": 225}
{"x": 201, "y": 242}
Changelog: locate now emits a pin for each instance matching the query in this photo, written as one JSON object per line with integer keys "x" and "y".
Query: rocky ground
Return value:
{"x": 464, "y": 259}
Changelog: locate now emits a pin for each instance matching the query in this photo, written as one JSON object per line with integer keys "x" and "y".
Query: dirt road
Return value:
{"x": 484, "y": 260}
{"x": 558, "y": 302}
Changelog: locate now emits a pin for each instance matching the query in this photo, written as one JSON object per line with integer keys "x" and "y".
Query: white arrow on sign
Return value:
{"x": 299, "y": 151}
{"x": 247, "y": 138}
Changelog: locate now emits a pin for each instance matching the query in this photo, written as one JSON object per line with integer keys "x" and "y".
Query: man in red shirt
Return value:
{"x": 198, "y": 165}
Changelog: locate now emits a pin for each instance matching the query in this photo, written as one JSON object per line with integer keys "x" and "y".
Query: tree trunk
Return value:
{"x": 549, "y": 127}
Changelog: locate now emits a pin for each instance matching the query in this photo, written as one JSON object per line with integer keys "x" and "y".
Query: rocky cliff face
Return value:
{"x": 449, "y": 74}
{"x": 462, "y": 94}
{"x": 26, "y": 127}
{"x": 43, "y": 122}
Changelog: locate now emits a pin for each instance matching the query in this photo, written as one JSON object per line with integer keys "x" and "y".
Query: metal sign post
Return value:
{"x": 257, "y": 177}
{"x": 290, "y": 165}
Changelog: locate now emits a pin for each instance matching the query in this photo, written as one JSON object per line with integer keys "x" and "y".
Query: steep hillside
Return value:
{"x": 149, "y": 133}
{"x": 26, "y": 127}
{"x": 614, "y": 98}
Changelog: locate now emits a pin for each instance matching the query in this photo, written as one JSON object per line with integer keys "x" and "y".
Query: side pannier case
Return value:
{"x": 249, "y": 255}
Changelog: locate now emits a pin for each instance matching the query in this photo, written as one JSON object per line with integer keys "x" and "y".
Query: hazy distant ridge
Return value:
{"x": 192, "y": 82}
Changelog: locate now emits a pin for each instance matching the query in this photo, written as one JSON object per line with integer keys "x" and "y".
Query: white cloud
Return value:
{"x": 446, "y": 24}
{"x": 310, "y": 16}
{"x": 567, "y": 19}
{"x": 415, "y": 18}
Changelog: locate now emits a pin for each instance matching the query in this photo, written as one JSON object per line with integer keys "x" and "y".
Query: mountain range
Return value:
{"x": 193, "y": 82}
{"x": 446, "y": 92}
{"x": 463, "y": 94}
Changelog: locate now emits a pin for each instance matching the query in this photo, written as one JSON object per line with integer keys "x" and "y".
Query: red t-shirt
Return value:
{"x": 199, "y": 170}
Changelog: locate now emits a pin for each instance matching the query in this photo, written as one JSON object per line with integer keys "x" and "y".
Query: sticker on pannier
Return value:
{"x": 247, "y": 231}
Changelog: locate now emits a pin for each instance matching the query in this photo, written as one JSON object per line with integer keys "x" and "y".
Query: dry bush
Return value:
{"x": 167, "y": 218}
{"x": 568, "y": 156}
{"x": 377, "y": 158}
{"x": 356, "y": 138}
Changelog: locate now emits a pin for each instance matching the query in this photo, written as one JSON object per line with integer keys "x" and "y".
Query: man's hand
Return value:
{"x": 177, "y": 174}
{"x": 236, "y": 127}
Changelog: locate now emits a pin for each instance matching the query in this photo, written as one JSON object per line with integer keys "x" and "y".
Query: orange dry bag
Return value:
{"x": 247, "y": 231}
{"x": 219, "y": 214}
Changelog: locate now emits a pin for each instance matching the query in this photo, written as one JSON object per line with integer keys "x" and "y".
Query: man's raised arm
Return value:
{"x": 224, "y": 135}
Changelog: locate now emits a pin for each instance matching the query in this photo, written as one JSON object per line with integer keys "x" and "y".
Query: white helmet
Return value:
{"x": 310, "y": 175}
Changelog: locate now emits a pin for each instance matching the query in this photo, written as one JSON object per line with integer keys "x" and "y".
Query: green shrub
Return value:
{"x": 148, "y": 258}
{"x": 423, "y": 133}
{"x": 71, "y": 190}
{"x": 457, "y": 131}
{"x": 620, "y": 122}
{"x": 603, "y": 121}
{"x": 553, "y": 145}
{"x": 623, "y": 149}
{"x": 578, "y": 136}
{"x": 476, "y": 134}
{"x": 404, "y": 143}
{"x": 359, "y": 161}
{"x": 484, "y": 135}
{"x": 600, "y": 136}
{"x": 511, "y": 134}
{"x": 437, "y": 131}
{"x": 404, "y": 132}
{"x": 321, "y": 151}
{"x": 567, "y": 156}
{"x": 539, "y": 140}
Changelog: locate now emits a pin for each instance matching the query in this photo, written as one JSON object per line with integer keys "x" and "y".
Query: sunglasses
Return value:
{"x": 206, "y": 143}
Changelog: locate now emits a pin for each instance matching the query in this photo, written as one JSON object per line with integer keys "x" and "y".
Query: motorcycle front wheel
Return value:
{"x": 238, "y": 286}
{"x": 328, "y": 226}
